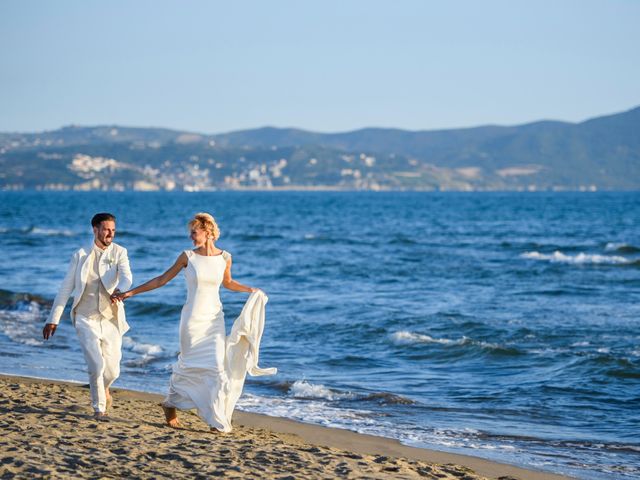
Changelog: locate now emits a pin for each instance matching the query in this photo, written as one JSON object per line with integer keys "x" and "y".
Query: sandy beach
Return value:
{"x": 48, "y": 431}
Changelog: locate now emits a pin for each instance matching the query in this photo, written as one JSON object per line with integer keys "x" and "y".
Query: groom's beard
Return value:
{"x": 104, "y": 243}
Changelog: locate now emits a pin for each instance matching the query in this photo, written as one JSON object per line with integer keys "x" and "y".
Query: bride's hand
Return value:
{"x": 119, "y": 296}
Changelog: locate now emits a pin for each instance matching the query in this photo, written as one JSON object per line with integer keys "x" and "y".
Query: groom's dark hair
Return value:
{"x": 98, "y": 218}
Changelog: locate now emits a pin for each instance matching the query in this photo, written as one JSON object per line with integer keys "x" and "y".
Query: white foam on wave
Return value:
{"x": 310, "y": 411}
{"x": 362, "y": 421}
{"x": 408, "y": 338}
{"x": 23, "y": 325}
{"x": 548, "y": 351}
{"x": 581, "y": 344}
{"x": 304, "y": 389}
{"x": 614, "y": 246}
{"x": 144, "y": 348}
{"x": 404, "y": 337}
{"x": 489, "y": 345}
{"x": 50, "y": 232}
{"x": 580, "y": 258}
{"x": 148, "y": 351}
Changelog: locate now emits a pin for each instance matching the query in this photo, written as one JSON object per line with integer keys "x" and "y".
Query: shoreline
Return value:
{"x": 141, "y": 408}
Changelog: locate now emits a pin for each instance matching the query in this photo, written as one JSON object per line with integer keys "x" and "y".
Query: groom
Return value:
{"x": 94, "y": 274}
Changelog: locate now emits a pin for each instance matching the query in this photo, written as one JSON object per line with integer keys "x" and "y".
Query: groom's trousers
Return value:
{"x": 101, "y": 344}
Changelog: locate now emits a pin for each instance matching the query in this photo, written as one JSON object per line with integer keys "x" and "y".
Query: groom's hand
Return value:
{"x": 115, "y": 296}
{"x": 48, "y": 330}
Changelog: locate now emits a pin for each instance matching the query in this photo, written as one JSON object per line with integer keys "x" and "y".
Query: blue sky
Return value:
{"x": 327, "y": 65}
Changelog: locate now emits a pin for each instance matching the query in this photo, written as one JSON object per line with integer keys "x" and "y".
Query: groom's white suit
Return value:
{"x": 93, "y": 275}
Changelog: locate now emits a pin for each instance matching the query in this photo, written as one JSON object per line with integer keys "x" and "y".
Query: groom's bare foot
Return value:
{"x": 171, "y": 415}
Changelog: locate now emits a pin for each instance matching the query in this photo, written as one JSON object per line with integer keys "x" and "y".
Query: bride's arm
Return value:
{"x": 157, "y": 282}
{"x": 231, "y": 284}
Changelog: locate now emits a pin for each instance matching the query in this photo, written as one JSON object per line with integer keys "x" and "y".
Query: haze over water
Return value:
{"x": 500, "y": 325}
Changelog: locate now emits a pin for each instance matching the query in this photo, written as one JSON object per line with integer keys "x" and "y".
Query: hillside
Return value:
{"x": 601, "y": 153}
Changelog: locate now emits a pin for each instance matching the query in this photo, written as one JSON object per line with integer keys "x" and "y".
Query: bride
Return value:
{"x": 199, "y": 378}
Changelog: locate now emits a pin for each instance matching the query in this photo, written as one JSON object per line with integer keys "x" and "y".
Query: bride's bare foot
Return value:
{"x": 100, "y": 415}
{"x": 171, "y": 415}
{"x": 109, "y": 399}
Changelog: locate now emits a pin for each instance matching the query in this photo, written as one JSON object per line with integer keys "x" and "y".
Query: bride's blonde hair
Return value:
{"x": 207, "y": 223}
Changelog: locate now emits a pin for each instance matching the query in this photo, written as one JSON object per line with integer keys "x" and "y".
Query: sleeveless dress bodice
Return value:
{"x": 204, "y": 276}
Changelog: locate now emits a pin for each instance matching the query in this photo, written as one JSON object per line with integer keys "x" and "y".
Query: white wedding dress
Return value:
{"x": 200, "y": 377}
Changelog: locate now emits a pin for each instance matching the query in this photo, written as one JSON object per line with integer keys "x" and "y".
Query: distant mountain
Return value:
{"x": 601, "y": 153}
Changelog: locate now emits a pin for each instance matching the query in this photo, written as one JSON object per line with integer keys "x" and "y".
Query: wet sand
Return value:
{"x": 48, "y": 431}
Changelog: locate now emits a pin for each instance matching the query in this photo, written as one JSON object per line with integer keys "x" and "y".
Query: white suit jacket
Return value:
{"x": 114, "y": 272}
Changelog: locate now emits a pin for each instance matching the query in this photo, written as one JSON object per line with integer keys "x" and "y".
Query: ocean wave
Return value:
{"x": 21, "y": 316}
{"x": 32, "y": 230}
{"x": 23, "y": 322}
{"x": 580, "y": 258}
{"x": 402, "y": 240}
{"x": 148, "y": 352}
{"x": 403, "y": 337}
{"x": 253, "y": 237}
{"x": 624, "y": 373}
{"x": 548, "y": 351}
{"x": 385, "y": 398}
{"x": 410, "y": 338}
{"x": 318, "y": 237}
{"x": 305, "y": 390}
{"x": 20, "y": 300}
{"x": 562, "y": 246}
{"x": 558, "y": 443}
{"x": 342, "y": 361}
{"x": 313, "y": 411}
{"x": 600, "y": 363}
{"x": 51, "y": 232}
{"x": 621, "y": 248}
{"x": 366, "y": 421}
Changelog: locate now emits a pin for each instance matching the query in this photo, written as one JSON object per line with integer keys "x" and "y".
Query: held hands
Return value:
{"x": 118, "y": 296}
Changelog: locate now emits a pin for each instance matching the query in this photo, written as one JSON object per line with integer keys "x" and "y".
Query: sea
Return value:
{"x": 499, "y": 325}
